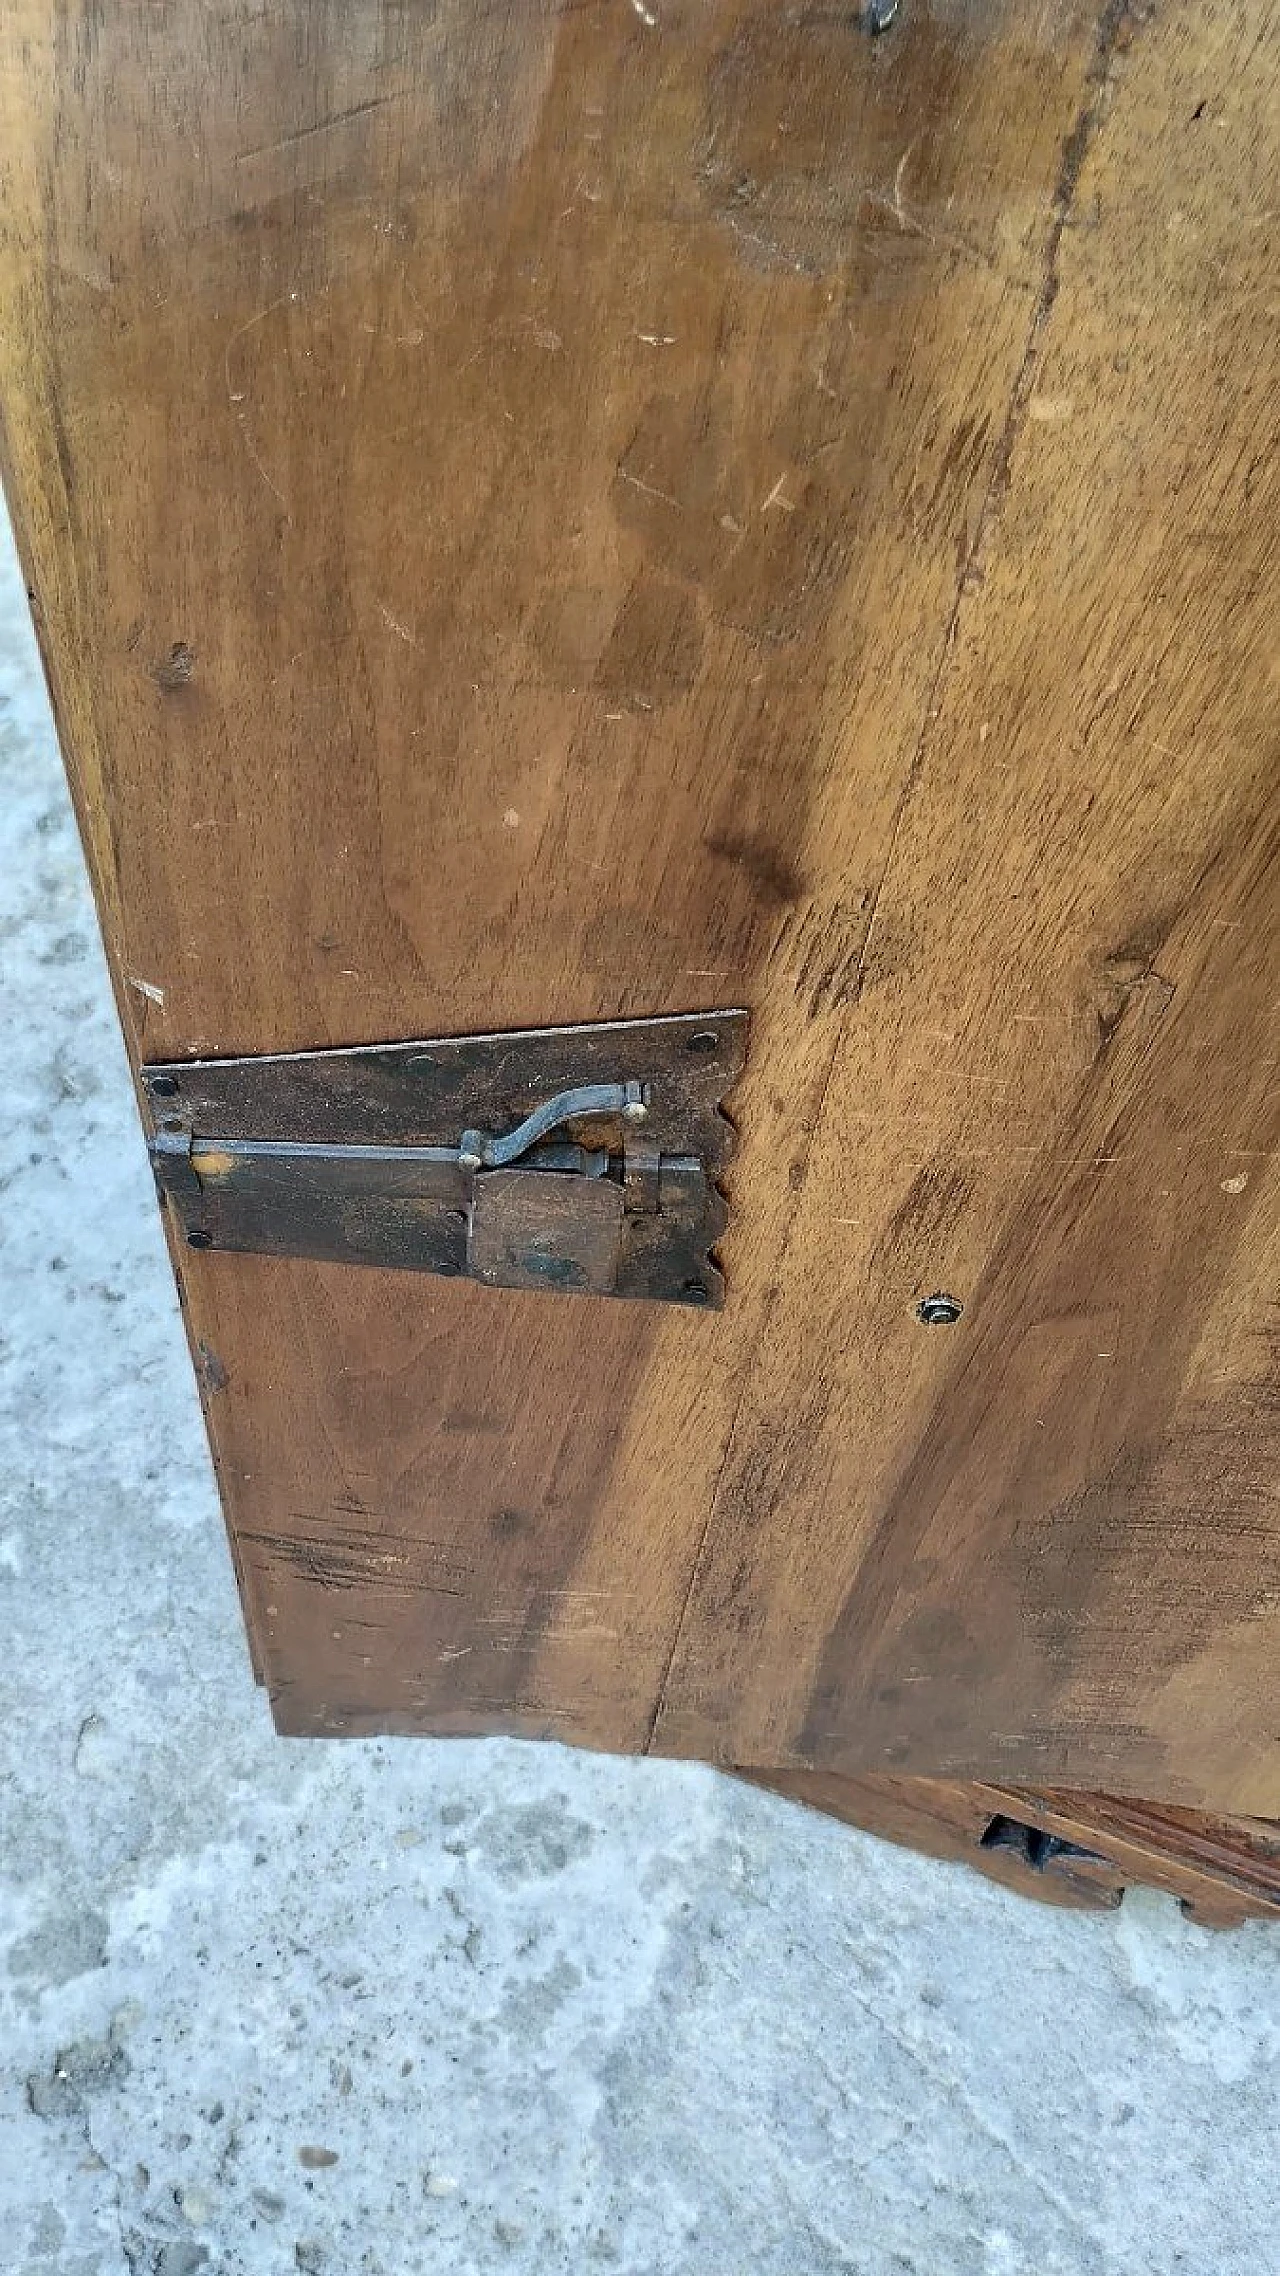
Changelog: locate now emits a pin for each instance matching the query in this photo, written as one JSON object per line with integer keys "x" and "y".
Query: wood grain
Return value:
{"x": 493, "y": 486}
{"x": 1045, "y": 1542}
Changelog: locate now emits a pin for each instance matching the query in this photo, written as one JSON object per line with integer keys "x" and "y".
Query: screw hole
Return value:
{"x": 703, "y": 1043}
{"x": 173, "y": 1122}
{"x": 939, "y": 1311}
{"x": 696, "y": 1292}
{"x": 163, "y": 1086}
{"x": 199, "y": 1240}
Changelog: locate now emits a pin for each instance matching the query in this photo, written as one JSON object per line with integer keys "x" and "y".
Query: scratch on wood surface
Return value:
{"x": 664, "y": 496}
{"x": 898, "y": 179}
{"x": 401, "y": 631}
{"x": 379, "y": 1563}
{"x": 148, "y": 988}
{"x": 252, "y": 449}
{"x": 914, "y": 225}
{"x": 820, "y": 947}
{"x": 317, "y": 126}
{"x": 236, "y": 397}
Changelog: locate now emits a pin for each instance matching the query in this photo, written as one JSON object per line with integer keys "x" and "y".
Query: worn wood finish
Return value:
{"x": 1044, "y": 1542}
{"x": 591, "y": 511}
{"x": 1223, "y": 1870}
{"x": 492, "y": 486}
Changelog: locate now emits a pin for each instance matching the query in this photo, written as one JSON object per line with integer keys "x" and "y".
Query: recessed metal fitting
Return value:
{"x": 1033, "y": 1846}
{"x": 939, "y": 1311}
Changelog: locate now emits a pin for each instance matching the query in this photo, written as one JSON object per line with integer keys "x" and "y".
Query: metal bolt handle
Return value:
{"x": 480, "y": 1152}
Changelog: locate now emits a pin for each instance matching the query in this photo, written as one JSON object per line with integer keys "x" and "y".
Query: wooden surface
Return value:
{"x": 1047, "y": 1537}
{"x": 1222, "y": 1870}
{"x": 559, "y": 515}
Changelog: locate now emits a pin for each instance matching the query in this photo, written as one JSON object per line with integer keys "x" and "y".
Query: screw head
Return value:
{"x": 199, "y": 1239}
{"x": 703, "y": 1043}
{"x": 939, "y": 1311}
{"x": 163, "y": 1086}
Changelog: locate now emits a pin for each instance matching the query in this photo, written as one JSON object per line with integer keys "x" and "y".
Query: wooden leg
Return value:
{"x": 1079, "y": 1850}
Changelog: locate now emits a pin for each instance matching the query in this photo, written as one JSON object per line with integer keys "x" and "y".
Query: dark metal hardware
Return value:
{"x": 1033, "y": 1846}
{"x": 477, "y": 1152}
{"x": 587, "y": 1157}
{"x": 939, "y": 1311}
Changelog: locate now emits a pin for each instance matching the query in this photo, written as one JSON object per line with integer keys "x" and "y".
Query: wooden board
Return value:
{"x": 1049, "y": 1537}
{"x": 1223, "y": 1871}
{"x": 593, "y": 511}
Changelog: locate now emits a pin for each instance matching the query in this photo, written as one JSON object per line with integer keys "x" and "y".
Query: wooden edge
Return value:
{"x": 1072, "y": 1849}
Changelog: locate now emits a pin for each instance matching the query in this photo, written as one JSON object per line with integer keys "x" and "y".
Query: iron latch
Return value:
{"x": 573, "y": 1158}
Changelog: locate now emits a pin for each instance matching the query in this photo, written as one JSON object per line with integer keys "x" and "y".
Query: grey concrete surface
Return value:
{"x": 381, "y": 2009}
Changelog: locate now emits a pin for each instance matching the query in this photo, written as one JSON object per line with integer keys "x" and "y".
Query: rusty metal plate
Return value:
{"x": 376, "y": 1155}
{"x": 546, "y": 1230}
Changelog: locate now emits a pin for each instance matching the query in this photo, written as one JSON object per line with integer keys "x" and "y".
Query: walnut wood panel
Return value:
{"x": 1223, "y": 1870}
{"x": 1044, "y": 1543}
{"x": 493, "y": 485}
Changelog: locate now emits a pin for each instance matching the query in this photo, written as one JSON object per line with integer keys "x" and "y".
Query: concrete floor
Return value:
{"x": 382, "y": 2009}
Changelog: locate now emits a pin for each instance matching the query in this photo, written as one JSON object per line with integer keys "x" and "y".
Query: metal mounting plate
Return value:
{"x": 352, "y": 1156}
